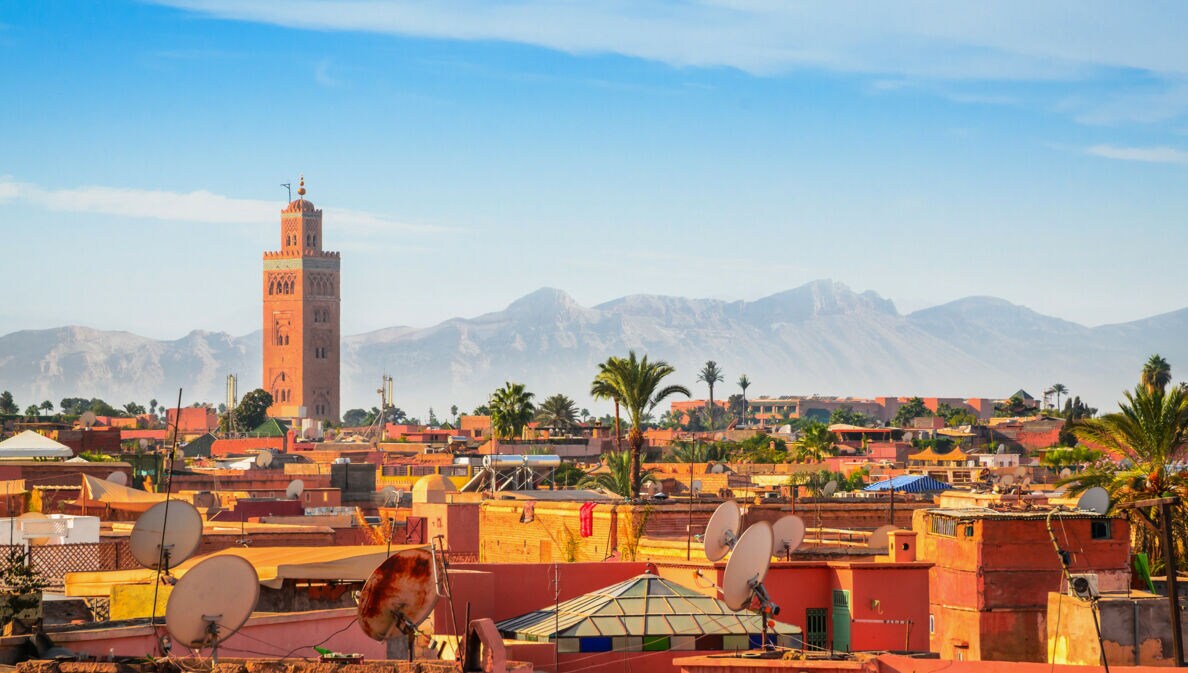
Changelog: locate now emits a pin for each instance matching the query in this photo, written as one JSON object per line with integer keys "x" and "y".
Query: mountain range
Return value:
{"x": 819, "y": 338}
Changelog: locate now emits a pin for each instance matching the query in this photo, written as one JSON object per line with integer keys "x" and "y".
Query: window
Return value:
{"x": 943, "y": 526}
{"x": 932, "y": 623}
{"x": 969, "y": 530}
{"x": 1099, "y": 529}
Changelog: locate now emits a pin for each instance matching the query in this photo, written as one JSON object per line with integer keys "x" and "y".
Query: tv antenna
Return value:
{"x": 721, "y": 532}
{"x": 742, "y": 583}
{"x": 211, "y": 602}
{"x": 1097, "y": 501}
{"x": 158, "y": 546}
{"x": 288, "y": 187}
{"x": 399, "y": 595}
{"x": 787, "y": 535}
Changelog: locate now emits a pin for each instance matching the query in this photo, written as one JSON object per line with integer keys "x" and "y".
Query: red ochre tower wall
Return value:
{"x": 302, "y": 297}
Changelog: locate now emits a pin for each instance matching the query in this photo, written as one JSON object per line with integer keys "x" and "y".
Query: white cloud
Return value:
{"x": 1010, "y": 39}
{"x": 322, "y": 74}
{"x": 198, "y": 206}
{"x": 1159, "y": 155}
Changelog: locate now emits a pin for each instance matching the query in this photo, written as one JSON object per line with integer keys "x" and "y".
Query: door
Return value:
{"x": 841, "y": 620}
{"x": 414, "y": 529}
{"x": 816, "y": 629}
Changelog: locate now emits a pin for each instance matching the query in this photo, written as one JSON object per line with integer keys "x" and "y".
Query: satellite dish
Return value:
{"x": 398, "y": 595}
{"x": 211, "y": 601}
{"x": 1065, "y": 473}
{"x": 1006, "y": 479}
{"x": 878, "y": 539}
{"x": 295, "y": 489}
{"x": 1026, "y": 481}
{"x": 1021, "y": 472}
{"x": 749, "y": 561}
{"x": 696, "y": 485}
{"x": 118, "y": 478}
{"x": 718, "y": 468}
{"x": 88, "y": 419}
{"x": 263, "y": 459}
{"x": 1096, "y": 500}
{"x": 143, "y": 443}
{"x": 722, "y": 530}
{"x": 787, "y": 534}
{"x": 830, "y": 488}
{"x": 180, "y": 538}
{"x": 388, "y": 495}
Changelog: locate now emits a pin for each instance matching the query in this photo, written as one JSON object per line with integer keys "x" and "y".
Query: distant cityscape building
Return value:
{"x": 301, "y": 318}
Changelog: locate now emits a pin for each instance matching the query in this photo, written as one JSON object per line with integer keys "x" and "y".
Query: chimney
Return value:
{"x": 901, "y": 546}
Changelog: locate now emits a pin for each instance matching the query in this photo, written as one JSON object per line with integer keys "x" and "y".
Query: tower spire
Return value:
{"x": 301, "y": 186}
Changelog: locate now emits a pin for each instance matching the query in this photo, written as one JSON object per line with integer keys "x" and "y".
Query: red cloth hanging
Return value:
{"x": 586, "y": 519}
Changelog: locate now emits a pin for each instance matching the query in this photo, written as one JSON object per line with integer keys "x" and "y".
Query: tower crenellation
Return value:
{"x": 302, "y": 298}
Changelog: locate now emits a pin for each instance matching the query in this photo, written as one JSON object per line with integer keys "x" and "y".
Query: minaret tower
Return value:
{"x": 301, "y": 317}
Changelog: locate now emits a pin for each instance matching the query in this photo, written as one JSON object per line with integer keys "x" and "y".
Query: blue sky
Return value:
{"x": 468, "y": 153}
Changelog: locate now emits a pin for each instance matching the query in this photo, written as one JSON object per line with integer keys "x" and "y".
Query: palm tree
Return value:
{"x": 47, "y": 406}
{"x": 698, "y": 452}
{"x": 1156, "y": 373}
{"x": 711, "y": 374}
{"x": 1148, "y": 431}
{"x": 816, "y": 442}
{"x": 744, "y": 383}
{"x": 557, "y": 411}
{"x": 1059, "y": 389}
{"x": 618, "y": 479}
{"x": 601, "y": 390}
{"x": 511, "y": 409}
{"x": 636, "y": 384}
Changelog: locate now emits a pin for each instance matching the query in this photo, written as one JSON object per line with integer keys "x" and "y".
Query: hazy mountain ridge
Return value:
{"x": 819, "y": 338}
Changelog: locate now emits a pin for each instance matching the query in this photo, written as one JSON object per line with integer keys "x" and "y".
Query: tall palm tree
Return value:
{"x": 558, "y": 411}
{"x": 1149, "y": 431}
{"x": 1059, "y": 389}
{"x": 636, "y": 384}
{"x": 618, "y": 479}
{"x": 511, "y": 409}
{"x": 1156, "y": 373}
{"x": 710, "y": 375}
{"x": 601, "y": 390}
{"x": 744, "y": 383}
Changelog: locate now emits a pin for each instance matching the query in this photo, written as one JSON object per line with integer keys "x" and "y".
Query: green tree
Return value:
{"x": 32, "y": 410}
{"x": 955, "y": 416}
{"x": 602, "y": 390}
{"x": 1014, "y": 407}
{"x": 618, "y": 479}
{"x": 637, "y": 385}
{"x": 47, "y": 407}
{"x": 567, "y": 475}
{"x": 847, "y": 416}
{"x": 743, "y": 384}
{"x": 481, "y": 410}
{"x": 1149, "y": 429}
{"x": 511, "y": 410}
{"x": 251, "y": 412}
{"x": 133, "y": 409}
{"x": 1156, "y": 373}
{"x": 73, "y": 406}
{"x": 913, "y": 409}
{"x": 686, "y": 451}
{"x": 7, "y": 404}
{"x": 1071, "y": 457}
{"x": 816, "y": 442}
{"x": 153, "y": 406}
{"x": 454, "y": 414}
{"x": 711, "y": 375}
{"x": 354, "y": 418}
{"x": 558, "y": 411}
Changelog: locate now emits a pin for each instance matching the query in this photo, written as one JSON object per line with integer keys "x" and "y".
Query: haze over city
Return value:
{"x": 467, "y": 154}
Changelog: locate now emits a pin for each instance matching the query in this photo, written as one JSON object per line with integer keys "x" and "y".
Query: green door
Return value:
{"x": 841, "y": 620}
{"x": 816, "y": 629}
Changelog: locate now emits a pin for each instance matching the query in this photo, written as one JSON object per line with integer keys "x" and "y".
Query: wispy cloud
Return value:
{"x": 197, "y": 206}
{"x": 1012, "y": 39}
{"x": 322, "y": 75}
{"x": 1157, "y": 155}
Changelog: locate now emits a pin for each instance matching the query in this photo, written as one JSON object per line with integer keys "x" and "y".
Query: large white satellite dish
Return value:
{"x": 264, "y": 459}
{"x": 295, "y": 489}
{"x": 1096, "y": 500}
{"x": 787, "y": 534}
{"x": 830, "y": 488}
{"x": 878, "y": 539}
{"x": 748, "y": 564}
{"x": 117, "y": 477}
{"x": 166, "y": 534}
{"x": 211, "y": 601}
{"x": 722, "y": 530}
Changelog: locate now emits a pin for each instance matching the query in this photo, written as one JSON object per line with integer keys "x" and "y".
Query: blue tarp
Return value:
{"x": 910, "y": 483}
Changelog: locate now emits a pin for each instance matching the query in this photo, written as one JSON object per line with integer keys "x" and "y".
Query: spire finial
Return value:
{"x": 301, "y": 186}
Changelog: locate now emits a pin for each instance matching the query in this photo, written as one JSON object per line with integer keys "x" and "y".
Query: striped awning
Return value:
{"x": 910, "y": 483}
